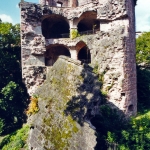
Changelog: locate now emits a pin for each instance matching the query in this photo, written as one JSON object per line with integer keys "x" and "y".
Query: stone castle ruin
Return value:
{"x": 91, "y": 35}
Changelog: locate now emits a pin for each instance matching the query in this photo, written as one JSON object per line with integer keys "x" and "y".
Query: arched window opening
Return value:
{"x": 55, "y": 26}
{"x": 53, "y": 52}
{"x": 88, "y": 23}
{"x": 84, "y": 55}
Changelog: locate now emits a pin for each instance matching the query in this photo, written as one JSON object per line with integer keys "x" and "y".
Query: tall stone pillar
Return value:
{"x": 74, "y": 53}
{"x": 73, "y": 29}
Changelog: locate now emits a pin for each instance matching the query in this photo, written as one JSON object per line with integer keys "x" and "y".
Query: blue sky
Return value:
{"x": 9, "y": 12}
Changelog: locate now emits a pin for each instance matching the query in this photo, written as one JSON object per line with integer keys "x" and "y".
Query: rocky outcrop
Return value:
{"x": 68, "y": 99}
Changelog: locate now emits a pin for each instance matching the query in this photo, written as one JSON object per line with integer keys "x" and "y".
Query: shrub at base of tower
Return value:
{"x": 16, "y": 140}
{"x": 113, "y": 131}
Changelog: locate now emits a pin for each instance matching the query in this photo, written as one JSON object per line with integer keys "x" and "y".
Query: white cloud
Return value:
{"x": 142, "y": 15}
{"x": 6, "y": 18}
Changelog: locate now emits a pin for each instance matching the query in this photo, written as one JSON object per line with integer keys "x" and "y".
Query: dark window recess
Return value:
{"x": 123, "y": 94}
{"x": 55, "y": 26}
{"x": 84, "y": 55}
{"x": 89, "y": 23}
{"x": 54, "y": 52}
{"x": 130, "y": 108}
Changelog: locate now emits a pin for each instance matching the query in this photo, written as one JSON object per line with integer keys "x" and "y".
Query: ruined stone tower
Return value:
{"x": 100, "y": 33}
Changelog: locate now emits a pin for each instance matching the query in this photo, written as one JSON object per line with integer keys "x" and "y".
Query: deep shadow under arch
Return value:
{"x": 83, "y": 52}
{"x": 53, "y": 52}
{"x": 88, "y": 21}
{"x": 55, "y": 26}
{"x": 84, "y": 55}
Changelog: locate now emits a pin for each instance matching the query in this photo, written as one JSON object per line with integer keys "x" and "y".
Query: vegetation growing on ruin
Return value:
{"x": 74, "y": 33}
{"x": 59, "y": 133}
{"x": 101, "y": 80}
{"x": 33, "y": 106}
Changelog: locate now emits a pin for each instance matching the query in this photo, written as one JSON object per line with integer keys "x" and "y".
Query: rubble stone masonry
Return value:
{"x": 100, "y": 33}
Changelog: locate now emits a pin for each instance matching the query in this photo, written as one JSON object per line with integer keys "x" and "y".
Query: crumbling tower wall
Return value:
{"x": 99, "y": 33}
{"x": 104, "y": 29}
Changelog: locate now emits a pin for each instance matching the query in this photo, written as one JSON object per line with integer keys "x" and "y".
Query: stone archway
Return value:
{"x": 53, "y": 52}
{"x": 88, "y": 22}
{"x": 55, "y": 26}
{"x": 84, "y": 54}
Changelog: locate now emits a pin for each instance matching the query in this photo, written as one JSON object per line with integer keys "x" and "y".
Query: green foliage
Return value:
{"x": 143, "y": 71}
{"x": 143, "y": 48}
{"x": 74, "y": 33}
{"x": 13, "y": 95}
{"x": 143, "y": 89}
{"x": 113, "y": 129}
{"x": 95, "y": 69}
{"x": 8, "y": 90}
{"x": 137, "y": 134}
{"x": 15, "y": 140}
{"x": 2, "y": 125}
{"x": 108, "y": 126}
{"x": 10, "y": 33}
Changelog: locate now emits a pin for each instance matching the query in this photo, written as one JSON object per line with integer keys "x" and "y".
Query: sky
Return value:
{"x": 10, "y": 12}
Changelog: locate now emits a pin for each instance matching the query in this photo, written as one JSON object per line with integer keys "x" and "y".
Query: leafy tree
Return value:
{"x": 10, "y": 33}
{"x": 114, "y": 132}
{"x": 143, "y": 48}
{"x": 13, "y": 95}
{"x": 143, "y": 70}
